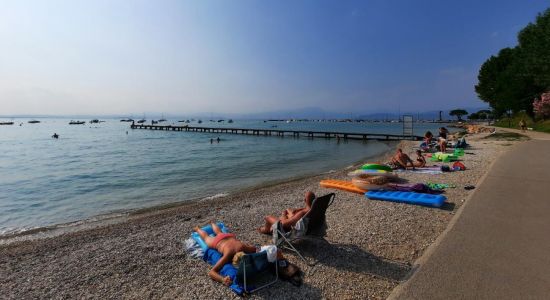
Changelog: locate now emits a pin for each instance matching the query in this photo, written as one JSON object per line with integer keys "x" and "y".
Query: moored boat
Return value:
{"x": 77, "y": 122}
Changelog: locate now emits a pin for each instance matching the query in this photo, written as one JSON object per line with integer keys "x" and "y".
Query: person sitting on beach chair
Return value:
{"x": 228, "y": 246}
{"x": 288, "y": 217}
{"x": 401, "y": 160}
{"x": 420, "y": 160}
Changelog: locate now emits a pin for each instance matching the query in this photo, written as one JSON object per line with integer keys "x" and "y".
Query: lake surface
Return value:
{"x": 106, "y": 168}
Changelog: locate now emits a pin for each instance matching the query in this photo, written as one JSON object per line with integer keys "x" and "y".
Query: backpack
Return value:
{"x": 458, "y": 166}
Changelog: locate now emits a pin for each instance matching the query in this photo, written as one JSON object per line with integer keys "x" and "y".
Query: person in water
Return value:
{"x": 402, "y": 160}
{"x": 228, "y": 246}
{"x": 289, "y": 217}
{"x": 218, "y": 139}
{"x": 420, "y": 160}
{"x": 55, "y": 136}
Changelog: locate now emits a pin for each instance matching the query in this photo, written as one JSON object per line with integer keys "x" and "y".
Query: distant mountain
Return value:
{"x": 318, "y": 113}
{"x": 426, "y": 115}
{"x": 300, "y": 113}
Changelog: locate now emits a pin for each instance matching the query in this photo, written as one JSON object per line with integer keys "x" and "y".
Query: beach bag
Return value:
{"x": 458, "y": 166}
{"x": 461, "y": 143}
{"x": 445, "y": 169}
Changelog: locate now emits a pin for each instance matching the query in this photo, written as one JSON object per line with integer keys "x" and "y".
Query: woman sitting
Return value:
{"x": 420, "y": 160}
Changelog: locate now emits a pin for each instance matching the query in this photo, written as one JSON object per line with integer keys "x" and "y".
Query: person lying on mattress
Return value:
{"x": 289, "y": 217}
{"x": 402, "y": 160}
{"x": 232, "y": 251}
{"x": 228, "y": 246}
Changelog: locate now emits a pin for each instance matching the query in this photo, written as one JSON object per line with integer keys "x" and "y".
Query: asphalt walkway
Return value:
{"x": 499, "y": 247}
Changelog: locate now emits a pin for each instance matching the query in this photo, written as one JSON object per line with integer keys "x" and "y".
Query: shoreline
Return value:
{"x": 373, "y": 244}
{"x": 117, "y": 217}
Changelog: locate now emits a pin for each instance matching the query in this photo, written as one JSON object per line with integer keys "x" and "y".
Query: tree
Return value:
{"x": 542, "y": 106}
{"x": 513, "y": 78}
{"x": 458, "y": 113}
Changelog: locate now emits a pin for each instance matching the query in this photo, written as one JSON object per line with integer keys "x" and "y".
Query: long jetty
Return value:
{"x": 281, "y": 132}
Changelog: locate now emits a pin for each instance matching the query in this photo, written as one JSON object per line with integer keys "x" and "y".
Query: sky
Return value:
{"x": 186, "y": 57}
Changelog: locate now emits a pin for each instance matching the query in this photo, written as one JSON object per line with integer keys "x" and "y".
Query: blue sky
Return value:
{"x": 184, "y": 57}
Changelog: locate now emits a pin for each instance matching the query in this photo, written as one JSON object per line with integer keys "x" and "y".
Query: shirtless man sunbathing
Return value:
{"x": 289, "y": 217}
{"x": 402, "y": 160}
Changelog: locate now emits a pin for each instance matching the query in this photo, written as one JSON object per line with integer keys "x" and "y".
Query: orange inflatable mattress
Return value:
{"x": 341, "y": 185}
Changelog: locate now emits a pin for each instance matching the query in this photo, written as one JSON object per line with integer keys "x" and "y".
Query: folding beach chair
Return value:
{"x": 255, "y": 272}
{"x": 312, "y": 225}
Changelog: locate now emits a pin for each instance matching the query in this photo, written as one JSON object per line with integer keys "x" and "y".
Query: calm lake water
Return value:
{"x": 97, "y": 169}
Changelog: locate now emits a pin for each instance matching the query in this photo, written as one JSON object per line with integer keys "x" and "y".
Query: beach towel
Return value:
{"x": 211, "y": 257}
{"x": 414, "y": 187}
{"x": 425, "y": 170}
{"x": 440, "y": 186}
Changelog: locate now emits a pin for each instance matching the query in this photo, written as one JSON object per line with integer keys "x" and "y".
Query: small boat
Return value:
{"x": 6, "y": 123}
{"x": 94, "y": 121}
{"x": 230, "y": 121}
{"x": 127, "y": 120}
{"x": 154, "y": 122}
{"x": 219, "y": 121}
{"x": 77, "y": 122}
{"x": 33, "y": 122}
{"x": 142, "y": 120}
{"x": 162, "y": 119}
{"x": 181, "y": 121}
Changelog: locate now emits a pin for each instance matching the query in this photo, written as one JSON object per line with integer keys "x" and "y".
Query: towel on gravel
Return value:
{"x": 212, "y": 256}
{"x": 413, "y": 187}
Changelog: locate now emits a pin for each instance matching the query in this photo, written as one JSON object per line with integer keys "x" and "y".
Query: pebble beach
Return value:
{"x": 373, "y": 245}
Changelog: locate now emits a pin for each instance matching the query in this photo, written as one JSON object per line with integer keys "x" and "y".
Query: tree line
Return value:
{"x": 515, "y": 77}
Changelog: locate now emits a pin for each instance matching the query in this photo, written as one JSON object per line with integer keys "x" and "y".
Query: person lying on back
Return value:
{"x": 289, "y": 217}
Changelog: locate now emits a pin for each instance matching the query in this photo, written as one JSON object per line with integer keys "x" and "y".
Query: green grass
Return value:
{"x": 543, "y": 126}
{"x": 513, "y": 122}
{"x": 506, "y": 136}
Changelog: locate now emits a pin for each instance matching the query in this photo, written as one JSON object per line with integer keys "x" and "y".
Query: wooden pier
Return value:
{"x": 281, "y": 132}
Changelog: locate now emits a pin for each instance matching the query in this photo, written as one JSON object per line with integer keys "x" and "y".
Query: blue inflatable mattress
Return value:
{"x": 407, "y": 197}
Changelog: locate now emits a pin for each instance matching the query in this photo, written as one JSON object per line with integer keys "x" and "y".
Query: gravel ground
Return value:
{"x": 373, "y": 244}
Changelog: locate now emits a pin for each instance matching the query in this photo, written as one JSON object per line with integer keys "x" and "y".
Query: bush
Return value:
{"x": 541, "y": 106}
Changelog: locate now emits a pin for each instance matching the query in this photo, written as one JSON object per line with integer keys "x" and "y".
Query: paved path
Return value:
{"x": 499, "y": 247}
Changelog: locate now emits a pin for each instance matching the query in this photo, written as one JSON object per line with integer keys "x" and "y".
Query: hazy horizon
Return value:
{"x": 246, "y": 57}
